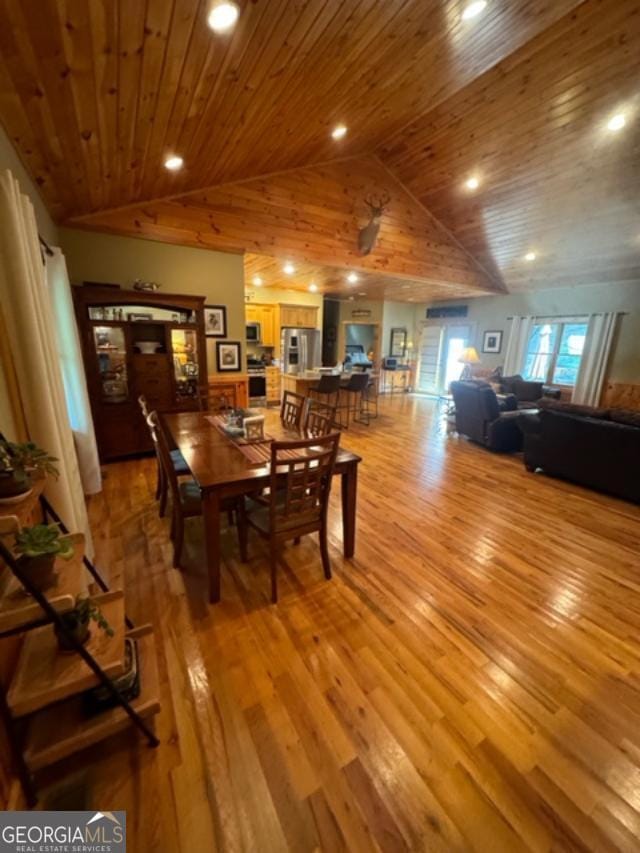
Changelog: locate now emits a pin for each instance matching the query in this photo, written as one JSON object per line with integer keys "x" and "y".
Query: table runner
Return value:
{"x": 257, "y": 452}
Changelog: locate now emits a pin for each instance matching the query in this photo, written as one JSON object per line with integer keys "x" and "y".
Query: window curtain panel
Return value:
{"x": 595, "y": 358}
{"x": 517, "y": 345}
{"x": 73, "y": 377}
{"x": 30, "y": 326}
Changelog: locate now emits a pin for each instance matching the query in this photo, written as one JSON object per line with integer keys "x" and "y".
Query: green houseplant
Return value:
{"x": 38, "y": 547}
{"x": 18, "y": 461}
{"x": 77, "y": 622}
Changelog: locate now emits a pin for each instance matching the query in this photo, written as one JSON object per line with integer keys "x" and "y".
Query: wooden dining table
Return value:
{"x": 223, "y": 469}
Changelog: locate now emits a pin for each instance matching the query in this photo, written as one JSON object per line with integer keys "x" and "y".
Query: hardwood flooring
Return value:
{"x": 470, "y": 681}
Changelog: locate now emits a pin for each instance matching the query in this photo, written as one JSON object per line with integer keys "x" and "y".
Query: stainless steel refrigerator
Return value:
{"x": 300, "y": 350}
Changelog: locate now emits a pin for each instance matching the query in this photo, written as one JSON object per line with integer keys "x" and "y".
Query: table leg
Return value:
{"x": 211, "y": 521}
{"x": 349, "y": 495}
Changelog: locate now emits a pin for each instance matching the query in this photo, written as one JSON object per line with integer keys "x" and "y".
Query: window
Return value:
{"x": 554, "y": 352}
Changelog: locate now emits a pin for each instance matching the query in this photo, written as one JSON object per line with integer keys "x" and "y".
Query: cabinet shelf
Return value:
{"x": 43, "y": 675}
{"x": 75, "y": 731}
{"x": 18, "y": 609}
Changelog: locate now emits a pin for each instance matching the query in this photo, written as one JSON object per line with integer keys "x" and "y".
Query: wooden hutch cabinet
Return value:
{"x": 137, "y": 343}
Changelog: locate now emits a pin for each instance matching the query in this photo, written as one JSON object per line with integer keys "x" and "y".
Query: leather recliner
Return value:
{"x": 480, "y": 417}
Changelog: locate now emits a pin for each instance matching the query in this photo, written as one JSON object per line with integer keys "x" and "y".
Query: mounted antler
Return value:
{"x": 368, "y": 235}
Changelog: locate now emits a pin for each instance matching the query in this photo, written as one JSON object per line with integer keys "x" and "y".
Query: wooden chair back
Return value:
{"x": 216, "y": 398}
{"x": 292, "y": 410}
{"x": 164, "y": 454}
{"x": 301, "y": 474}
{"x": 320, "y": 421}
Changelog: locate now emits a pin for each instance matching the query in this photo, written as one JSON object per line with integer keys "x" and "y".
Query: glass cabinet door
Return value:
{"x": 111, "y": 354}
{"x": 184, "y": 351}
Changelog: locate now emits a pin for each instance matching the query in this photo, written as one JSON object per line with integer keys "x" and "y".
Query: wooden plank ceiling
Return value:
{"x": 97, "y": 93}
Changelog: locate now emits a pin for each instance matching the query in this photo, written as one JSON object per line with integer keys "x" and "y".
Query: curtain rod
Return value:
{"x": 45, "y": 246}
{"x": 588, "y": 313}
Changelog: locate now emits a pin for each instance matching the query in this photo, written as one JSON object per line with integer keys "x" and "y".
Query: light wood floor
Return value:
{"x": 471, "y": 681}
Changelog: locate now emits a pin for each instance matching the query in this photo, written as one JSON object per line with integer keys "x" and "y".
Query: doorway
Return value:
{"x": 440, "y": 349}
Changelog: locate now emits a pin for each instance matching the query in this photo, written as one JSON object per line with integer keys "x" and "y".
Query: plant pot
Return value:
{"x": 12, "y": 489}
{"x": 40, "y": 571}
{"x": 79, "y": 630}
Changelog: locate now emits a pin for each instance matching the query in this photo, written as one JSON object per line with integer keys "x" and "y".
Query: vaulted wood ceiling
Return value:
{"x": 96, "y": 93}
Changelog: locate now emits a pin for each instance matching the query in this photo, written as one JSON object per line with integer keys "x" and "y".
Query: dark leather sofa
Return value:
{"x": 526, "y": 393}
{"x": 480, "y": 417}
{"x": 598, "y": 448}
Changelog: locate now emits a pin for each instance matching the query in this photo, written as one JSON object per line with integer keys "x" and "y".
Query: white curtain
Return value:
{"x": 75, "y": 385}
{"x": 517, "y": 345}
{"x": 30, "y": 325}
{"x": 593, "y": 365}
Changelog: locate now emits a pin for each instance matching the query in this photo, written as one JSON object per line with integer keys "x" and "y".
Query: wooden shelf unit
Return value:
{"x": 47, "y": 685}
{"x": 75, "y": 730}
{"x": 44, "y": 675}
{"x": 17, "y": 607}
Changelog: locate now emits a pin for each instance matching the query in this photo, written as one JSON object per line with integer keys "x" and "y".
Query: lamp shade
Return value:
{"x": 469, "y": 356}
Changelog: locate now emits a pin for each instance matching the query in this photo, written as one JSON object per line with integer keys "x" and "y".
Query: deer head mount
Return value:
{"x": 368, "y": 235}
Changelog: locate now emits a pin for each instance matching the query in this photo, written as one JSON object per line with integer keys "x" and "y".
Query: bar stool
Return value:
{"x": 356, "y": 393}
{"x": 327, "y": 391}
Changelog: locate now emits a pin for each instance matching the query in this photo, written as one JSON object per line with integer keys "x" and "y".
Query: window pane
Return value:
{"x": 540, "y": 349}
{"x": 570, "y": 353}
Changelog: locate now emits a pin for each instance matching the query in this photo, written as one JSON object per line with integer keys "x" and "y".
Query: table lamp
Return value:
{"x": 468, "y": 357}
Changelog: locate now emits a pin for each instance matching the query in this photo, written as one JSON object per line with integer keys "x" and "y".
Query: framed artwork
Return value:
{"x": 492, "y": 342}
{"x": 398, "y": 346}
{"x": 215, "y": 321}
{"x": 228, "y": 356}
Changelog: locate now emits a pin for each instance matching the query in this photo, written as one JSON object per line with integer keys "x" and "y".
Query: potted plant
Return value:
{"x": 77, "y": 623}
{"x": 38, "y": 547}
{"x": 18, "y": 461}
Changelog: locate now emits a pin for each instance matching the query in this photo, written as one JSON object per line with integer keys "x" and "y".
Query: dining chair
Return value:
{"x": 216, "y": 398}
{"x": 319, "y": 421}
{"x": 186, "y": 499}
{"x": 293, "y": 410}
{"x": 177, "y": 460}
{"x": 298, "y": 500}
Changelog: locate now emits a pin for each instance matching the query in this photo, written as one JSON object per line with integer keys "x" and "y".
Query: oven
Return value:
{"x": 257, "y": 388}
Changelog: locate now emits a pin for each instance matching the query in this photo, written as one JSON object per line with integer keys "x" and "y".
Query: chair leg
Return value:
{"x": 243, "y": 531}
{"x": 324, "y": 552}
{"x": 163, "y": 494}
{"x": 158, "y": 479}
{"x": 273, "y": 557}
{"x": 178, "y": 541}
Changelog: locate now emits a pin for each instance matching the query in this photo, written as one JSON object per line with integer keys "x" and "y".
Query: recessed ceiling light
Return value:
{"x": 223, "y": 16}
{"x": 173, "y": 163}
{"x": 339, "y": 131}
{"x": 472, "y": 184}
{"x": 351, "y": 298}
{"x": 313, "y": 287}
{"x": 289, "y": 269}
{"x": 474, "y": 9}
{"x": 362, "y": 294}
{"x": 352, "y": 278}
{"x": 617, "y": 122}
{"x": 257, "y": 281}
{"x": 530, "y": 256}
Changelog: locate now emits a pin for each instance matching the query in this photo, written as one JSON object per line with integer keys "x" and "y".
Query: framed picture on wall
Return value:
{"x": 398, "y": 346}
{"x": 228, "y": 356}
{"x": 492, "y": 342}
{"x": 215, "y": 321}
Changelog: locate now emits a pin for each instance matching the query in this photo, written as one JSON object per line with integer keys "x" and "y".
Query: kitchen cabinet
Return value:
{"x": 266, "y": 316}
{"x": 299, "y": 316}
{"x": 273, "y": 384}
